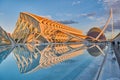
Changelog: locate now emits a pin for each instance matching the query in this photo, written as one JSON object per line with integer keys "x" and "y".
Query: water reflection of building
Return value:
{"x": 51, "y": 54}
{"x": 5, "y": 45}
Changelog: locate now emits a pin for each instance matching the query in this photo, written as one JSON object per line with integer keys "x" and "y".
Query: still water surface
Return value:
{"x": 66, "y": 70}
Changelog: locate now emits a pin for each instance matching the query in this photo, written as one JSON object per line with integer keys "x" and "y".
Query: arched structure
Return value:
{"x": 41, "y": 42}
{"x": 30, "y": 25}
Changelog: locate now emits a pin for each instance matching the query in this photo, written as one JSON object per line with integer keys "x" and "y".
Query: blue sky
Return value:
{"x": 80, "y": 14}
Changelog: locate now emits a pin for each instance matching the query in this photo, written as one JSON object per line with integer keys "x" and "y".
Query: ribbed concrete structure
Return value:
{"x": 41, "y": 42}
{"x": 30, "y": 25}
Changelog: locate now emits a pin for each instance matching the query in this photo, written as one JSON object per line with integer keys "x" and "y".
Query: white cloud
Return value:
{"x": 64, "y": 14}
{"x": 90, "y": 16}
{"x": 115, "y": 5}
{"x": 84, "y": 14}
{"x": 47, "y": 16}
{"x": 110, "y": 1}
{"x": 101, "y": 20}
{"x": 76, "y": 2}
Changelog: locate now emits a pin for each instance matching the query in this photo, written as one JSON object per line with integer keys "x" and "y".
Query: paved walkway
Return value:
{"x": 107, "y": 69}
{"x": 117, "y": 53}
